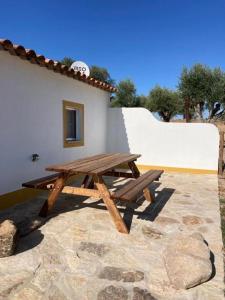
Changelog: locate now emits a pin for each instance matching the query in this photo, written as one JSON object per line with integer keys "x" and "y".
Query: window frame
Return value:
{"x": 77, "y": 106}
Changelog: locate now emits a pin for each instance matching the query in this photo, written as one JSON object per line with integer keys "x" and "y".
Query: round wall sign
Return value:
{"x": 79, "y": 66}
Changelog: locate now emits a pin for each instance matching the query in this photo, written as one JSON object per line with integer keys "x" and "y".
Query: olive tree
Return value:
{"x": 67, "y": 61}
{"x": 202, "y": 88}
{"x": 101, "y": 74}
{"x": 167, "y": 103}
{"x": 215, "y": 98}
{"x": 126, "y": 95}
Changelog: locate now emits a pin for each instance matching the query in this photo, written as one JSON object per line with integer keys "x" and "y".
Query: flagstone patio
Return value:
{"x": 78, "y": 254}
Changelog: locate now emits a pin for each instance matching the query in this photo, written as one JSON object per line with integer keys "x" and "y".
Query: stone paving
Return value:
{"x": 78, "y": 254}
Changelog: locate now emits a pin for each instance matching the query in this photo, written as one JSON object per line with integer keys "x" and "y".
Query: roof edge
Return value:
{"x": 34, "y": 58}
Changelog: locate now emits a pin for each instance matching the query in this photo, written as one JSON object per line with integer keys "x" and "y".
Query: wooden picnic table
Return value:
{"x": 94, "y": 168}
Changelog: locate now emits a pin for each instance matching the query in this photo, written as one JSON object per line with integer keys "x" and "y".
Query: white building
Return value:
{"x": 31, "y": 117}
{"x": 49, "y": 110}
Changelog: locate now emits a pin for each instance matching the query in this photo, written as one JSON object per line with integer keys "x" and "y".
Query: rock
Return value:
{"x": 10, "y": 282}
{"x": 203, "y": 229}
{"x": 27, "y": 293}
{"x": 140, "y": 294}
{"x": 8, "y": 237}
{"x": 56, "y": 294}
{"x": 93, "y": 248}
{"x": 190, "y": 244}
{"x": 184, "y": 202}
{"x": 118, "y": 274}
{"x": 192, "y": 220}
{"x": 177, "y": 192}
{"x": 187, "y": 260}
{"x": 208, "y": 220}
{"x": 113, "y": 293}
{"x": 166, "y": 220}
{"x": 151, "y": 232}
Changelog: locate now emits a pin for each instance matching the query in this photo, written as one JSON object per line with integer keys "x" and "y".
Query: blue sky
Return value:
{"x": 148, "y": 41}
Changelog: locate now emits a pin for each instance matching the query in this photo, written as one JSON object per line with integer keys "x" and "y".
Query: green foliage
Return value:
{"x": 141, "y": 101}
{"x": 126, "y": 95}
{"x": 164, "y": 101}
{"x": 200, "y": 85}
{"x": 67, "y": 61}
{"x": 203, "y": 87}
{"x": 101, "y": 74}
{"x": 194, "y": 83}
{"x": 216, "y": 92}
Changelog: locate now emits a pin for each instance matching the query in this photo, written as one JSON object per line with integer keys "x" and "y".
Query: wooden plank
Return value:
{"x": 114, "y": 163}
{"x": 148, "y": 195}
{"x": 110, "y": 205}
{"x": 68, "y": 165}
{"x": 91, "y": 183}
{"x": 85, "y": 181}
{"x": 133, "y": 188}
{"x": 119, "y": 174}
{"x": 103, "y": 163}
{"x": 92, "y": 163}
{"x": 48, "y": 205}
{"x": 134, "y": 169}
{"x": 131, "y": 184}
{"x": 134, "y": 191}
{"x": 221, "y": 149}
{"x": 81, "y": 191}
{"x": 41, "y": 182}
{"x": 87, "y": 167}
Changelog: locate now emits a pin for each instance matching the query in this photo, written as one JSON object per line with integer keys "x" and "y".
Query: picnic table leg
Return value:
{"x": 148, "y": 195}
{"x": 110, "y": 205}
{"x": 91, "y": 183}
{"x": 134, "y": 169}
{"x": 48, "y": 205}
{"x": 85, "y": 181}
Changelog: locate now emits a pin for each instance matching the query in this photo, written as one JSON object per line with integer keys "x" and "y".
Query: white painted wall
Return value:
{"x": 31, "y": 120}
{"x": 179, "y": 145}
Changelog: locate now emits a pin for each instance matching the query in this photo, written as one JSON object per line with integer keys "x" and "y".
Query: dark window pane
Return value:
{"x": 71, "y": 124}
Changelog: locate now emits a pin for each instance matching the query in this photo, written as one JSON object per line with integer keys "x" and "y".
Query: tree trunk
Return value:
{"x": 187, "y": 110}
{"x": 166, "y": 117}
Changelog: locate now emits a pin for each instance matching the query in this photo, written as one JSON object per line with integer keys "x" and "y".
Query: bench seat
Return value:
{"x": 132, "y": 189}
{"x": 41, "y": 183}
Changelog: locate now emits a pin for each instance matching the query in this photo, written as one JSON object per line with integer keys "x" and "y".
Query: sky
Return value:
{"x": 147, "y": 41}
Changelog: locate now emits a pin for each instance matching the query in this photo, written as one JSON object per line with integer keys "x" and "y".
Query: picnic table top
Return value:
{"x": 94, "y": 165}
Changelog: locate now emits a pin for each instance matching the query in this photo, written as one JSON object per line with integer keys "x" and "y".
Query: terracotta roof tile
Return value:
{"x": 41, "y": 60}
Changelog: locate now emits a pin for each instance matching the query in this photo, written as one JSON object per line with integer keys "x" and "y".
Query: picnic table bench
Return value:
{"x": 94, "y": 168}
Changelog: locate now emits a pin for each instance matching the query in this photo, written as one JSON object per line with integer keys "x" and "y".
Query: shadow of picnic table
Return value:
{"x": 25, "y": 215}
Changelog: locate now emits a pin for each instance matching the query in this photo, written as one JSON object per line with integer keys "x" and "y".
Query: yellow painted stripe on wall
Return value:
{"x": 25, "y": 194}
{"x": 174, "y": 169}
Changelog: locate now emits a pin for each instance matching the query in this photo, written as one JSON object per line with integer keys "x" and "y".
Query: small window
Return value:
{"x": 73, "y": 123}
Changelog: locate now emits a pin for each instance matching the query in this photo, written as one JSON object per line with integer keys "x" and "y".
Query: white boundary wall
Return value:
{"x": 180, "y": 145}
{"x": 31, "y": 120}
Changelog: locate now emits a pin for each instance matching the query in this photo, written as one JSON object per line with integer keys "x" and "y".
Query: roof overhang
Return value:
{"x": 31, "y": 56}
